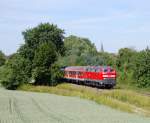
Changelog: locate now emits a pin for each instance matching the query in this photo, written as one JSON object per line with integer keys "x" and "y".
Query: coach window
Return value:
{"x": 86, "y": 69}
{"x": 97, "y": 70}
{"x": 80, "y": 73}
{"x": 89, "y": 69}
{"x": 92, "y": 70}
{"x": 77, "y": 73}
{"x": 100, "y": 69}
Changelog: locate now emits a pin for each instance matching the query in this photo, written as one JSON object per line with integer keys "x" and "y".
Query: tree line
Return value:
{"x": 46, "y": 50}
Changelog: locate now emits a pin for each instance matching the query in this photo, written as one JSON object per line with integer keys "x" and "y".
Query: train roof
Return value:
{"x": 75, "y": 68}
{"x": 84, "y": 68}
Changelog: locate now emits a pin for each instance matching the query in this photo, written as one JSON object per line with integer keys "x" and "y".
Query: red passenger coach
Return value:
{"x": 97, "y": 76}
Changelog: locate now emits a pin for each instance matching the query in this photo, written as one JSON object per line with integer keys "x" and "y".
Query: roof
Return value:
{"x": 84, "y": 68}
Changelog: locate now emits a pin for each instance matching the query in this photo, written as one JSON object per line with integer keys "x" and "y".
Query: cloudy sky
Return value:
{"x": 115, "y": 23}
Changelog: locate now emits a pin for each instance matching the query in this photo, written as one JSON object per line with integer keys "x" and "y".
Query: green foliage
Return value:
{"x": 126, "y": 58}
{"x": 134, "y": 67}
{"x": 77, "y": 45}
{"x": 142, "y": 69}
{"x": 2, "y": 58}
{"x": 44, "y": 52}
{"x": 45, "y": 55}
{"x": 34, "y": 59}
{"x": 56, "y": 74}
{"x": 124, "y": 100}
{"x": 79, "y": 51}
{"x": 43, "y": 33}
{"x": 14, "y": 73}
{"x": 41, "y": 76}
{"x": 108, "y": 58}
{"x": 125, "y": 64}
{"x": 10, "y": 81}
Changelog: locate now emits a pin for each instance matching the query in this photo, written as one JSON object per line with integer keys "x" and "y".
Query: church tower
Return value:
{"x": 102, "y": 48}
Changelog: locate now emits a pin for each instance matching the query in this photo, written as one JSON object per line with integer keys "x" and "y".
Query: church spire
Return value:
{"x": 102, "y": 48}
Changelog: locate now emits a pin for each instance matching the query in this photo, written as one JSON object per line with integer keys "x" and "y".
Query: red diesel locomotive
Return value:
{"x": 97, "y": 76}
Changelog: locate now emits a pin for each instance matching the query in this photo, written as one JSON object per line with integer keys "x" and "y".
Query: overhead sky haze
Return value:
{"x": 115, "y": 23}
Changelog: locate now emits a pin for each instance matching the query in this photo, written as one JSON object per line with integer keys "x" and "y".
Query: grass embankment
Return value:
{"x": 124, "y": 100}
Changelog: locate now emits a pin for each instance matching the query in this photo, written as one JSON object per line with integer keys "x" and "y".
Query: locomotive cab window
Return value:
{"x": 111, "y": 70}
{"x": 105, "y": 70}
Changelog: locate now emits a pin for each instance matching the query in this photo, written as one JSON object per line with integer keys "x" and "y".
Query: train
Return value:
{"x": 95, "y": 76}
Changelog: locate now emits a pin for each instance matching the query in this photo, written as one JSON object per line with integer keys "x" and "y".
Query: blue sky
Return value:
{"x": 115, "y": 23}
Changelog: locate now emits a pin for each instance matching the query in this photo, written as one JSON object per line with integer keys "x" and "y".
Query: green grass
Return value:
{"x": 132, "y": 87}
{"x": 129, "y": 83}
{"x": 121, "y": 99}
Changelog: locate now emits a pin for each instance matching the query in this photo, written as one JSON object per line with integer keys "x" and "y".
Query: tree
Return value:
{"x": 43, "y": 33}
{"x": 2, "y": 58}
{"x": 15, "y": 72}
{"x": 142, "y": 69}
{"x": 42, "y": 46}
{"x": 126, "y": 58}
{"x": 44, "y": 57}
{"x": 77, "y": 45}
{"x": 41, "y": 76}
{"x": 79, "y": 51}
{"x": 33, "y": 60}
{"x": 57, "y": 74}
{"x": 107, "y": 58}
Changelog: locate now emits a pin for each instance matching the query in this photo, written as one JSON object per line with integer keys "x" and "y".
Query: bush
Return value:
{"x": 11, "y": 81}
{"x": 56, "y": 74}
{"x": 41, "y": 76}
{"x": 142, "y": 69}
{"x": 2, "y": 58}
{"x": 14, "y": 72}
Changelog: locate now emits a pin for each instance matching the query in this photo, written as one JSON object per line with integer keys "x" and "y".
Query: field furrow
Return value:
{"x": 27, "y": 107}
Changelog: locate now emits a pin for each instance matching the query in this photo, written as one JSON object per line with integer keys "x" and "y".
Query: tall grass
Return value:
{"x": 124, "y": 100}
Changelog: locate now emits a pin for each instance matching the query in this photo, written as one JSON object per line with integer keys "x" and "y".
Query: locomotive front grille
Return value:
{"x": 109, "y": 81}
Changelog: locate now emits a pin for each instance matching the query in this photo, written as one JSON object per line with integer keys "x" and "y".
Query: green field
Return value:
{"x": 31, "y": 107}
{"x": 133, "y": 101}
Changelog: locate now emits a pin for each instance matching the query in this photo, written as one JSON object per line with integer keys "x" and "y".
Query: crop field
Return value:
{"x": 30, "y": 107}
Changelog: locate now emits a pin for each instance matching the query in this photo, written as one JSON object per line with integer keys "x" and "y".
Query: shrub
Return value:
{"x": 142, "y": 69}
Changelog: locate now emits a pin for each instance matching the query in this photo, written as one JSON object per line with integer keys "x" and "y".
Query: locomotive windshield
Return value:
{"x": 105, "y": 70}
{"x": 108, "y": 69}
